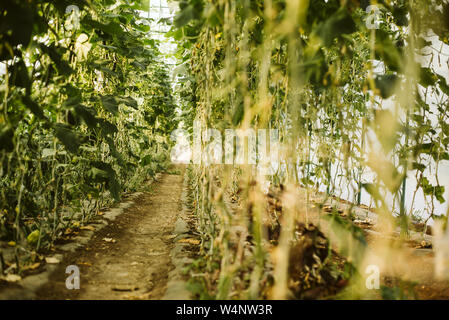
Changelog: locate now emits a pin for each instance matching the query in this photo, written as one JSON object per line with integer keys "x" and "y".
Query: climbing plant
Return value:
{"x": 86, "y": 106}
{"x": 351, "y": 96}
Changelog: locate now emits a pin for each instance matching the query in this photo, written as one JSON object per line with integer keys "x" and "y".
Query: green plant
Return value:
{"x": 86, "y": 110}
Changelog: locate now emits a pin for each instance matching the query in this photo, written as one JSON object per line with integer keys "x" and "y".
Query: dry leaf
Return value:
{"x": 144, "y": 296}
{"x": 425, "y": 245}
{"x": 12, "y": 266}
{"x": 109, "y": 240}
{"x": 125, "y": 288}
{"x": 32, "y": 266}
{"x": 91, "y": 228}
{"x": 191, "y": 241}
{"x": 52, "y": 260}
{"x": 13, "y": 278}
{"x": 82, "y": 46}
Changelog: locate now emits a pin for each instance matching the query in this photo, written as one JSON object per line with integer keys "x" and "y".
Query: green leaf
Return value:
{"x": 390, "y": 293}
{"x": 72, "y": 101}
{"x": 6, "y": 138}
{"x": 21, "y": 77}
{"x": 17, "y": 22}
{"x": 98, "y": 175}
{"x": 184, "y": 16}
{"x": 128, "y": 101}
{"x": 418, "y": 166}
{"x": 143, "y": 28}
{"x": 430, "y": 190}
{"x": 443, "y": 85}
{"x": 387, "y": 51}
{"x": 107, "y": 127}
{"x": 422, "y": 42}
{"x": 33, "y": 106}
{"x": 427, "y": 77}
{"x": 373, "y": 191}
{"x": 188, "y": 11}
{"x": 142, "y": 5}
{"x": 87, "y": 114}
{"x": 68, "y": 138}
{"x": 112, "y": 28}
{"x": 238, "y": 114}
{"x": 114, "y": 151}
{"x": 427, "y": 148}
{"x": 386, "y": 84}
{"x": 348, "y": 237}
{"x": 55, "y": 55}
{"x": 110, "y": 104}
{"x": 338, "y": 24}
{"x": 33, "y": 237}
{"x": 103, "y": 172}
{"x": 146, "y": 160}
{"x": 400, "y": 15}
{"x": 439, "y": 192}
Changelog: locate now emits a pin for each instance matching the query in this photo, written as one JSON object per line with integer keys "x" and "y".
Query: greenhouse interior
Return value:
{"x": 224, "y": 150}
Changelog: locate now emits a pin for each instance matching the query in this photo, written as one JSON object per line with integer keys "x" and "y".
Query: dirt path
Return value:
{"x": 129, "y": 259}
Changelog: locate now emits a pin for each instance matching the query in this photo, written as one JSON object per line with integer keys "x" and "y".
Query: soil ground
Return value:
{"x": 130, "y": 258}
{"x": 404, "y": 261}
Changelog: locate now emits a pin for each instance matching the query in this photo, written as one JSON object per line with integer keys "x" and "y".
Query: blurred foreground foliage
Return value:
{"x": 347, "y": 95}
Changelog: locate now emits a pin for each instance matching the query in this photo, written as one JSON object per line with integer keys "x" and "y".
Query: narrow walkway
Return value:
{"x": 129, "y": 259}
